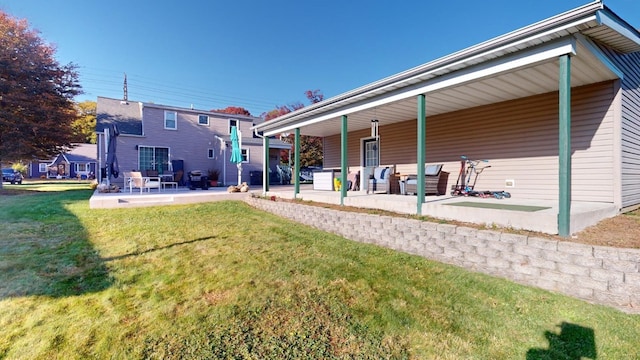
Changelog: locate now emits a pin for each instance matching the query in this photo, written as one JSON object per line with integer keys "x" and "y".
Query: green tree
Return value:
{"x": 36, "y": 94}
{"x": 84, "y": 127}
{"x": 235, "y": 110}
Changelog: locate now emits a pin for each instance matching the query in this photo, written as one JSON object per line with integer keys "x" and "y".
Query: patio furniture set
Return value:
{"x": 150, "y": 180}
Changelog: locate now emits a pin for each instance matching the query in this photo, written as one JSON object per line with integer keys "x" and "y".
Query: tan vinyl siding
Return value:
{"x": 520, "y": 138}
{"x": 630, "y": 123}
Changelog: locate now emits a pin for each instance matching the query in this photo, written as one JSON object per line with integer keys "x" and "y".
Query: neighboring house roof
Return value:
{"x": 127, "y": 115}
{"x": 81, "y": 153}
{"x": 518, "y": 64}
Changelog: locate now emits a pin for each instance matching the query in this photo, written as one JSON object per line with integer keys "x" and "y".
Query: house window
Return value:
{"x": 170, "y": 120}
{"x": 42, "y": 167}
{"x": 232, "y": 123}
{"x": 203, "y": 119}
{"x": 245, "y": 155}
{"x": 210, "y": 154}
{"x": 81, "y": 167}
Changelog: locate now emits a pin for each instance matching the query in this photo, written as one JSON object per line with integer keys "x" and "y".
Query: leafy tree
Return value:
{"x": 311, "y": 153}
{"x": 84, "y": 127}
{"x": 36, "y": 94}
{"x": 235, "y": 110}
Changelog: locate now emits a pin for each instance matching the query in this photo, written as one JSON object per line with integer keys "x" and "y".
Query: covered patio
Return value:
{"x": 510, "y": 99}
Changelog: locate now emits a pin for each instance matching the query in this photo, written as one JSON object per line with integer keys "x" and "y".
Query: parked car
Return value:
{"x": 9, "y": 175}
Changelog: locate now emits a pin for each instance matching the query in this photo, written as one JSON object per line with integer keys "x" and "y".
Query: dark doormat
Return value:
{"x": 484, "y": 205}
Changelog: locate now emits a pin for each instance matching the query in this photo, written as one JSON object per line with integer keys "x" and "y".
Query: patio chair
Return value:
{"x": 435, "y": 181}
{"x": 380, "y": 179}
{"x": 136, "y": 180}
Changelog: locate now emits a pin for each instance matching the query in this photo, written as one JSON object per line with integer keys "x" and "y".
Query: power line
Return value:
{"x": 105, "y": 81}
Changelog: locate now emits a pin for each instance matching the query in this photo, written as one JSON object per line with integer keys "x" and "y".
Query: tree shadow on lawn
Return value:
{"x": 573, "y": 342}
{"x": 44, "y": 249}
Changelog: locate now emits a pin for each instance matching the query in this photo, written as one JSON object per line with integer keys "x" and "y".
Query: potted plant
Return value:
{"x": 213, "y": 175}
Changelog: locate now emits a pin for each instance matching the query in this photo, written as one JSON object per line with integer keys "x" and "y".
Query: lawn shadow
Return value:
{"x": 169, "y": 246}
{"x": 45, "y": 250}
{"x": 573, "y": 342}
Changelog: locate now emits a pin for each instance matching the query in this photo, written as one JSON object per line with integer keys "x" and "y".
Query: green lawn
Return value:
{"x": 222, "y": 280}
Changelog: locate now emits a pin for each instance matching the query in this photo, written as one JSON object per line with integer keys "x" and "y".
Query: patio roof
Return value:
{"x": 518, "y": 64}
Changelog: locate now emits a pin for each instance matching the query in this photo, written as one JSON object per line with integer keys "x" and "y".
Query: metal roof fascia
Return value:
{"x": 575, "y": 15}
{"x": 607, "y": 18}
{"x": 500, "y": 65}
{"x": 604, "y": 59}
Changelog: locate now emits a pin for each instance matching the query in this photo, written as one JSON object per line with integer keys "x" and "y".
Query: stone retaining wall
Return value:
{"x": 603, "y": 275}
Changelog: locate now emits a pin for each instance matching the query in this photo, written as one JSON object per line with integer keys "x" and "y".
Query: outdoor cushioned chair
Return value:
{"x": 379, "y": 179}
{"x": 136, "y": 180}
{"x": 435, "y": 181}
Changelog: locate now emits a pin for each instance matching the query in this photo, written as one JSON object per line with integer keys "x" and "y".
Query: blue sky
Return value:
{"x": 258, "y": 54}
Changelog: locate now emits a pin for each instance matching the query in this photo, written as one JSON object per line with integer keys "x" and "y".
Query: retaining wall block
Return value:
{"x": 466, "y": 231}
{"x": 573, "y": 269}
{"x": 428, "y": 225}
{"x": 607, "y": 275}
{"x": 523, "y": 249}
{"x": 500, "y": 245}
{"x": 525, "y": 269}
{"x": 460, "y": 245}
{"x": 436, "y": 235}
{"x": 446, "y": 228}
{"x": 600, "y": 252}
{"x": 543, "y": 264}
{"x": 621, "y": 300}
{"x": 575, "y": 248}
{"x": 488, "y": 252}
{"x": 542, "y": 244}
{"x": 558, "y": 276}
{"x": 475, "y": 258}
{"x": 475, "y": 241}
{"x": 629, "y": 255}
{"x": 513, "y": 238}
{"x": 451, "y": 252}
{"x": 573, "y": 290}
{"x": 488, "y": 235}
{"x": 557, "y": 256}
{"x": 590, "y": 283}
{"x": 620, "y": 265}
{"x": 588, "y": 262}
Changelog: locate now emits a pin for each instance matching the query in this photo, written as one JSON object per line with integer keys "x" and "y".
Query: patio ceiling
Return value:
{"x": 586, "y": 68}
{"x": 519, "y": 64}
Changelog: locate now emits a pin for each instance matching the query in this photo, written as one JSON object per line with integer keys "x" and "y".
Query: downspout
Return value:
{"x": 224, "y": 156}
{"x": 265, "y": 162}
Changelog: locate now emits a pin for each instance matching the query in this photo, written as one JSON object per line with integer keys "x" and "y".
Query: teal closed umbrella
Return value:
{"x": 236, "y": 151}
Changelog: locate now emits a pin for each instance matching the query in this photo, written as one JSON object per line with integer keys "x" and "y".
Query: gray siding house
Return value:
{"x": 554, "y": 106}
{"x": 169, "y": 139}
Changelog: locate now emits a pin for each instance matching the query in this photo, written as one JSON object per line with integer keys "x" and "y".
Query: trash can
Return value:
{"x": 255, "y": 178}
{"x": 197, "y": 180}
